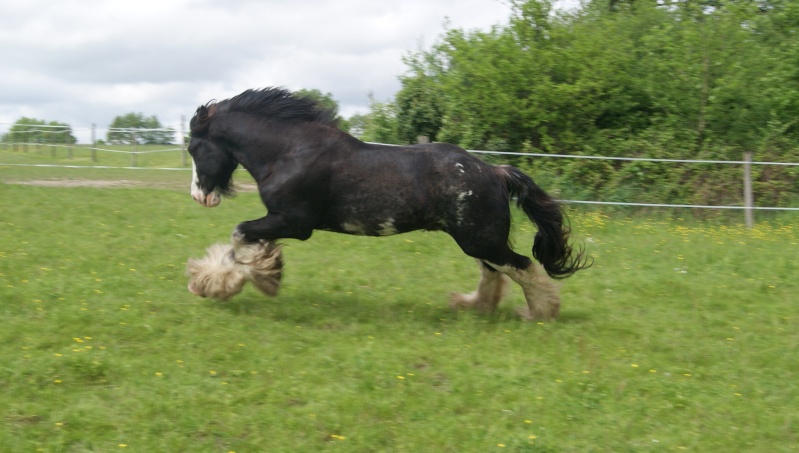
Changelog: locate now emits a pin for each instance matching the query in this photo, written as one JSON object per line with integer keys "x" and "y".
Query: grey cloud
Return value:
{"x": 87, "y": 62}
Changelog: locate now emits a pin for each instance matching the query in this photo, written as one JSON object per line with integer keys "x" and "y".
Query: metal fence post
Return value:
{"x": 748, "y": 195}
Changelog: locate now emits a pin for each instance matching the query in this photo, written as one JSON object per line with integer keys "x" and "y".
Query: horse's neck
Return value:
{"x": 255, "y": 156}
{"x": 273, "y": 141}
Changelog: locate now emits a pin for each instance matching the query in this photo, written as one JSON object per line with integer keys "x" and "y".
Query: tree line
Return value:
{"x": 149, "y": 131}
{"x": 124, "y": 129}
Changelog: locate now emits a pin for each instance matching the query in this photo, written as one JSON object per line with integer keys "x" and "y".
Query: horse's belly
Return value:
{"x": 360, "y": 228}
{"x": 379, "y": 210}
{"x": 388, "y": 225}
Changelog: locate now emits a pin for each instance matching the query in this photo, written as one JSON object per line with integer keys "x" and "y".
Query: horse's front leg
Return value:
{"x": 256, "y": 252}
{"x": 271, "y": 228}
{"x": 253, "y": 255}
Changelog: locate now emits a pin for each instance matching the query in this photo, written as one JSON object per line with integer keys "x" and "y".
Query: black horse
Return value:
{"x": 313, "y": 176}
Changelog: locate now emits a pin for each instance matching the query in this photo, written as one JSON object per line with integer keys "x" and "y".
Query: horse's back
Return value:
{"x": 381, "y": 190}
{"x": 437, "y": 167}
{"x": 441, "y": 158}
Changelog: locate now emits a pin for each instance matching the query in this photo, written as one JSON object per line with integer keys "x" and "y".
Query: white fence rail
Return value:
{"x": 748, "y": 195}
{"x": 637, "y": 159}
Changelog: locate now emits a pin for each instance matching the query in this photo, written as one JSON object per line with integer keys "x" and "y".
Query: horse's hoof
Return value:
{"x": 216, "y": 274}
{"x": 527, "y": 315}
{"x": 460, "y": 301}
{"x": 194, "y": 290}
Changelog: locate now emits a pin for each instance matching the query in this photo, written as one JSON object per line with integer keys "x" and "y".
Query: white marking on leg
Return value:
{"x": 261, "y": 264}
{"x": 492, "y": 288}
{"x": 216, "y": 274}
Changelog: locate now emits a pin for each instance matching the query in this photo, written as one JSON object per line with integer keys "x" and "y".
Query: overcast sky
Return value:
{"x": 84, "y": 62}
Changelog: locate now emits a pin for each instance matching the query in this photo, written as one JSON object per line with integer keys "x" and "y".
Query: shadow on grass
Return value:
{"x": 309, "y": 308}
{"x": 574, "y": 317}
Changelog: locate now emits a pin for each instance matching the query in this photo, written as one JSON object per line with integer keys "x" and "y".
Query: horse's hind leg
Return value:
{"x": 540, "y": 292}
{"x": 492, "y": 288}
{"x": 488, "y": 242}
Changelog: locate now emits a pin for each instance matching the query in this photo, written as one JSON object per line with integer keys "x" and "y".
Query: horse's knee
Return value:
{"x": 272, "y": 227}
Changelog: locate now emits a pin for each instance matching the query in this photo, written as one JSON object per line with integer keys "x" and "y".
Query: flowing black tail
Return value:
{"x": 551, "y": 247}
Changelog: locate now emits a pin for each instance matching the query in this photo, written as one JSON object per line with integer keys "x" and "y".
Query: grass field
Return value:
{"x": 682, "y": 337}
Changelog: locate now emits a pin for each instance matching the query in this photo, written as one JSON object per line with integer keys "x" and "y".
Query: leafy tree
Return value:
{"x": 419, "y": 103}
{"x": 667, "y": 79}
{"x": 357, "y": 125}
{"x": 31, "y": 130}
{"x": 380, "y": 124}
{"x": 147, "y": 130}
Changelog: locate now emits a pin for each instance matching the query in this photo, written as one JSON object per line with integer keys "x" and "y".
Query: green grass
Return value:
{"x": 682, "y": 337}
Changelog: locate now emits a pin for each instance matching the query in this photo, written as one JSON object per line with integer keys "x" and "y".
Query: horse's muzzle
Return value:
{"x": 208, "y": 200}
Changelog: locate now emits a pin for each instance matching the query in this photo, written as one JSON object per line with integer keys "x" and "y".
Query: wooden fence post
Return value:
{"x": 748, "y": 196}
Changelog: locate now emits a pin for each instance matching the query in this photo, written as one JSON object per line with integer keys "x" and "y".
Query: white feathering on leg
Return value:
{"x": 225, "y": 268}
{"x": 216, "y": 274}
{"x": 262, "y": 264}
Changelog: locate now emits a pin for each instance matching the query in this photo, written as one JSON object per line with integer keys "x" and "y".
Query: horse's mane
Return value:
{"x": 272, "y": 103}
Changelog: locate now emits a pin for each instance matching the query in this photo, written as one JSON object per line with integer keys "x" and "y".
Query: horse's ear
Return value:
{"x": 202, "y": 112}
{"x": 201, "y": 119}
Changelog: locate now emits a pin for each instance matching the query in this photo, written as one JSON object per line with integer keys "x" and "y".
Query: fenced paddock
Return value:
{"x": 160, "y": 157}
{"x": 679, "y": 338}
{"x": 127, "y": 143}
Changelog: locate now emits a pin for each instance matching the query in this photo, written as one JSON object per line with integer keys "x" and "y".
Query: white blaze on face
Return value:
{"x": 196, "y": 193}
{"x": 206, "y": 199}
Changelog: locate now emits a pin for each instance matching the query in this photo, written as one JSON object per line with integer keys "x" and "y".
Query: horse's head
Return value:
{"x": 212, "y": 170}
{"x": 212, "y": 165}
